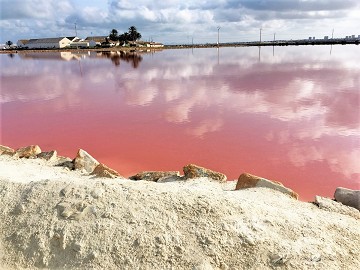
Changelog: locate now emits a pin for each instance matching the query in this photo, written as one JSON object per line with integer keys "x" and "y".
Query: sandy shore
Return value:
{"x": 54, "y": 218}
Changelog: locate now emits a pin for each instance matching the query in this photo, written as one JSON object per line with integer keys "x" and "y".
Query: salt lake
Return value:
{"x": 290, "y": 114}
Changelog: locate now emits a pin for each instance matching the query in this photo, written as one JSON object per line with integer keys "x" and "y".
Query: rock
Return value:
{"x": 84, "y": 161}
{"x": 28, "y": 151}
{"x": 247, "y": 180}
{"x": 194, "y": 171}
{"x": 334, "y": 206}
{"x": 154, "y": 176}
{"x": 348, "y": 197}
{"x": 65, "y": 162}
{"x": 102, "y": 170}
{"x": 49, "y": 156}
{"x": 4, "y": 150}
{"x": 172, "y": 178}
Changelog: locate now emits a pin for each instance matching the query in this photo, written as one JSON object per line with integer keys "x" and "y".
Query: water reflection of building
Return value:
{"x": 67, "y": 56}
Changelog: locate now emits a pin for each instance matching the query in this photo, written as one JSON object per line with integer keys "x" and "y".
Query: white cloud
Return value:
{"x": 173, "y": 21}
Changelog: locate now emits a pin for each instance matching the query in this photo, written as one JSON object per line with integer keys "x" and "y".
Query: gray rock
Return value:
{"x": 348, "y": 197}
{"x": 67, "y": 164}
{"x": 49, "y": 156}
{"x": 168, "y": 179}
{"x": 154, "y": 176}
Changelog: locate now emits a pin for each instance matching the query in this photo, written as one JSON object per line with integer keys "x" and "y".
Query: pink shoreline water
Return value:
{"x": 285, "y": 119}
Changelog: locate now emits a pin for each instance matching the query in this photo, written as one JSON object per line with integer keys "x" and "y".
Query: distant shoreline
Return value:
{"x": 197, "y": 46}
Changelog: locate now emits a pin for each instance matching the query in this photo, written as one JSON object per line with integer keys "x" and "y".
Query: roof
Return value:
{"x": 23, "y": 41}
{"x": 45, "y": 40}
{"x": 97, "y": 38}
{"x": 71, "y": 38}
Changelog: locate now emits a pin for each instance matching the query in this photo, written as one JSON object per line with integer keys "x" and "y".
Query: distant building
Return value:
{"x": 48, "y": 43}
{"x": 3, "y": 46}
{"x": 79, "y": 44}
{"x": 154, "y": 45}
{"x": 326, "y": 37}
{"x": 146, "y": 44}
{"x": 72, "y": 39}
{"x": 96, "y": 40}
{"x": 21, "y": 43}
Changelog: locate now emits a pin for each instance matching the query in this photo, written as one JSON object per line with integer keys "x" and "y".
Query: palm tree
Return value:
{"x": 114, "y": 35}
{"x": 123, "y": 38}
{"x": 134, "y": 34}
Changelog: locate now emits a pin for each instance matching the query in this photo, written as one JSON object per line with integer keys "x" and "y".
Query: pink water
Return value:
{"x": 291, "y": 114}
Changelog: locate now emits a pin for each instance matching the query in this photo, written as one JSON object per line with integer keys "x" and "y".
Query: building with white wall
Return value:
{"x": 48, "y": 43}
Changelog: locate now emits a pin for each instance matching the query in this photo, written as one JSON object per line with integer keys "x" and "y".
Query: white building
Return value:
{"x": 154, "y": 45}
{"x": 21, "y": 43}
{"x": 96, "y": 40}
{"x": 48, "y": 43}
{"x": 79, "y": 44}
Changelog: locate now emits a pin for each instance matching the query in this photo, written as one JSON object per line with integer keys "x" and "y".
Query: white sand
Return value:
{"x": 53, "y": 218}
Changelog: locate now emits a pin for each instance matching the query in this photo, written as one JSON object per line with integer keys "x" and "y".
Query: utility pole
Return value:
{"x": 75, "y": 30}
{"x": 260, "y": 34}
{"x": 332, "y": 35}
{"x": 274, "y": 37}
{"x": 218, "y": 42}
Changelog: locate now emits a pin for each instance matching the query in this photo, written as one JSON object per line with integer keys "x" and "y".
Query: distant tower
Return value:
{"x": 75, "y": 30}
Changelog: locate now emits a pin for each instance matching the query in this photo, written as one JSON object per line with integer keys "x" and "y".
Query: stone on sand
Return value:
{"x": 84, "y": 161}
{"x": 154, "y": 176}
{"x": 28, "y": 151}
{"x": 348, "y": 197}
{"x": 195, "y": 171}
{"x": 4, "y": 150}
{"x": 102, "y": 170}
{"x": 49, "y": 156}
{"x": 247, "y": 180}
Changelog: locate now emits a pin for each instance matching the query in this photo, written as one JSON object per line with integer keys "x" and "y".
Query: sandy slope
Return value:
{"x": 59, "y": 219}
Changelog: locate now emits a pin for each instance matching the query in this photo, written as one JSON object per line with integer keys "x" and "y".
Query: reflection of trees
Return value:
{"x": 129, "y": 57}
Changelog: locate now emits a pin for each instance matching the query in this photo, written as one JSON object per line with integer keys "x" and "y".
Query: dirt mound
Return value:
{"x": 67, "y": 221}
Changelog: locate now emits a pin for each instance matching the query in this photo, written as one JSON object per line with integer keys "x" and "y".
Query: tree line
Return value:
{"x": 131, "y": 35}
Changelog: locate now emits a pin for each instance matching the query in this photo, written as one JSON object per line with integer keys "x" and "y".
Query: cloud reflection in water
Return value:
{"x": 293, "y": 116}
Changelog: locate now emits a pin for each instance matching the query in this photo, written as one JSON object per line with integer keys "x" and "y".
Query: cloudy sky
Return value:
{"x": 181, "y": 21}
